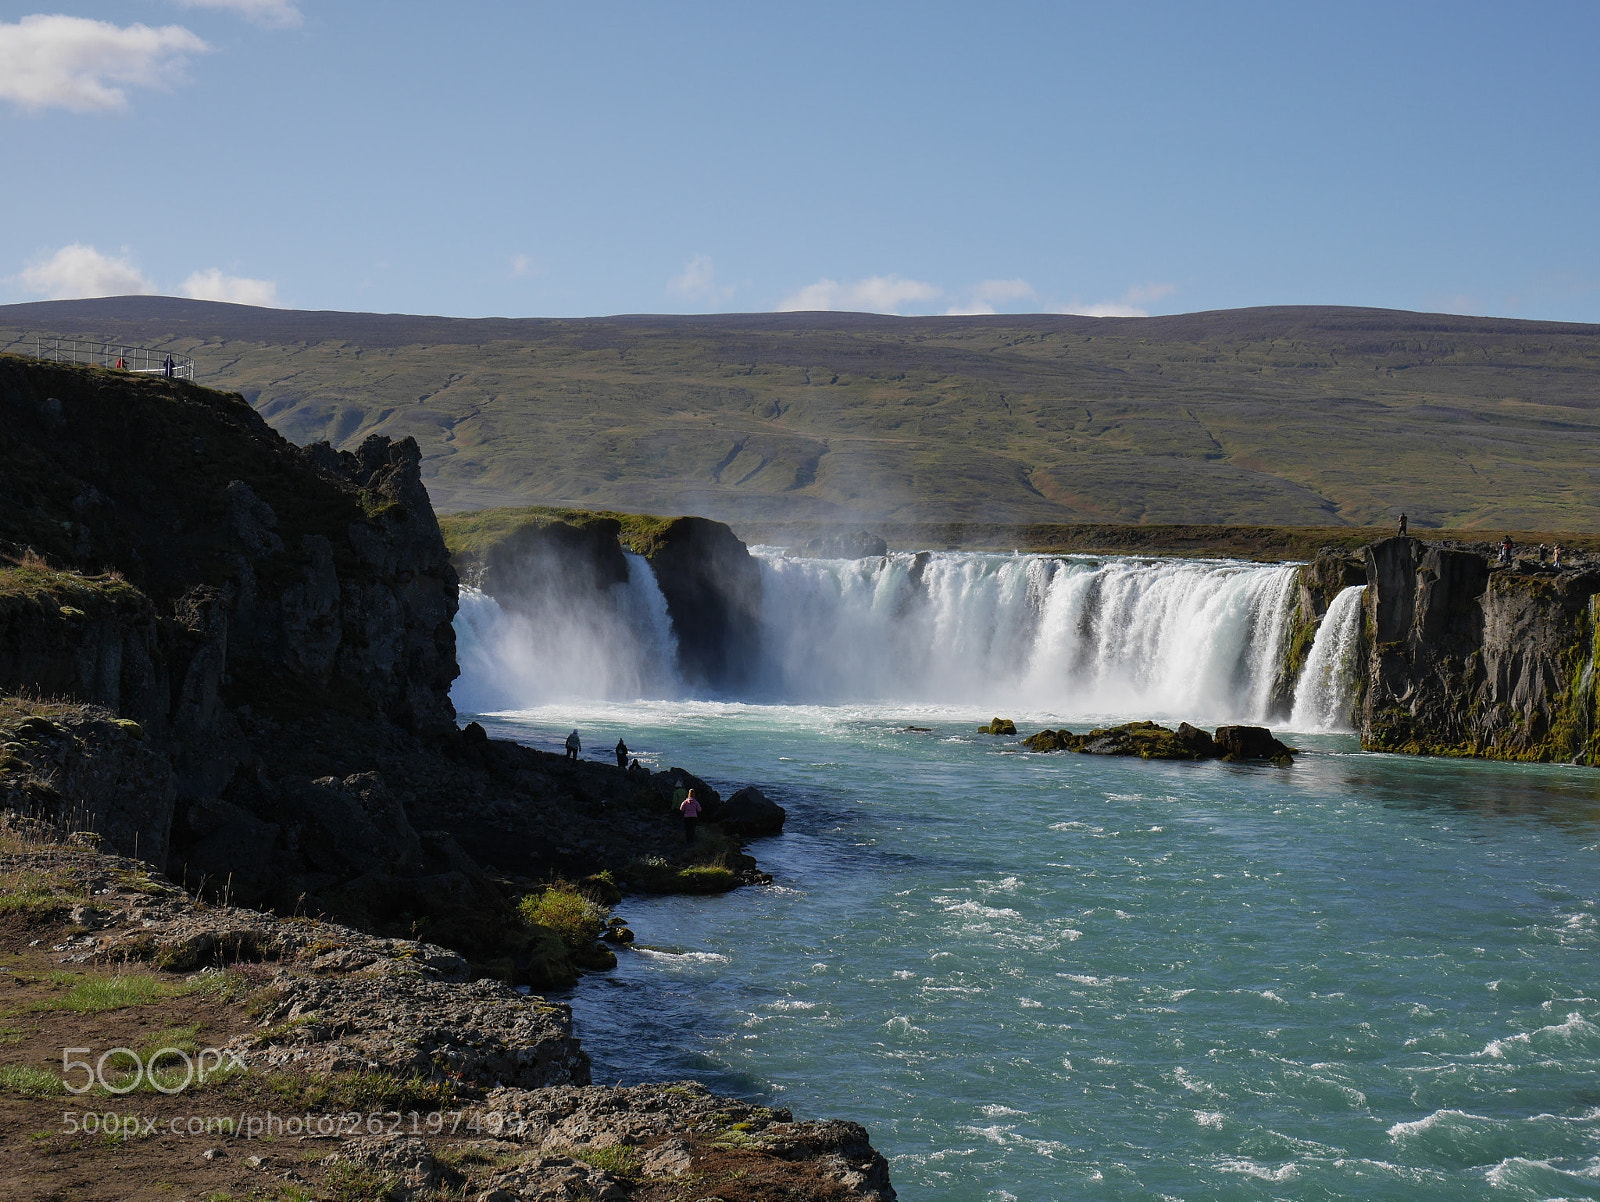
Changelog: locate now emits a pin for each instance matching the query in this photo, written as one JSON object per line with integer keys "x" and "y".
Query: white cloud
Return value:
{"x": 521, "y": 265}
{"x": 876, "y": 294}
{"x": 235, "y": 289}
{"x": 282, "y": 13}
{"x": 989, "y": 293}
{"x": 79, "y": 271}
{"x": 75, "y": 63}
{"x": 698, "y": 281}
{"x": 1133, "y": 303}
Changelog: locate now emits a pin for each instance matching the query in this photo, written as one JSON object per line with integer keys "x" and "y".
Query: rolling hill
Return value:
{"x": 1300, "y": 416}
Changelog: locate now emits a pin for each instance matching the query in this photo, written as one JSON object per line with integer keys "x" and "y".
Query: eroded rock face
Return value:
{"x": 683, "y": 1129}
{"x": 328, "y": 999}
{"x": 1470, "y": 657}
{"x": 90, "y": 772}
{"x": 712, "y": 587}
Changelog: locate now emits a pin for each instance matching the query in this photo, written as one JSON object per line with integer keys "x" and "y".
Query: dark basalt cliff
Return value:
{"x": 1469, "y": 658}
{"x": 1463, "y": 655}
{"x": 231, "y": 658}
{"x": 253, "y": 648}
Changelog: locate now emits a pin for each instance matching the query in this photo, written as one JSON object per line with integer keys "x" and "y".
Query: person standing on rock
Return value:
{"x": 622, "y": 754}
{"x": 1557, "y": 561}
{"x": 574, "y": 745}
{"x": 1402, "y": 525}
{"x": 690, "y": 809}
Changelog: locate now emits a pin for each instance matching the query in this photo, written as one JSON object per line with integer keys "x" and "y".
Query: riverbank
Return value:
{"x": 295, "y": 1058}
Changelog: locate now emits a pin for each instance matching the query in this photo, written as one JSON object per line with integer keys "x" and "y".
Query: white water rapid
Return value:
{"x": 1072, "y": 636}
{"x": 617, "y": 648}
{"x": 1325, "y": 694}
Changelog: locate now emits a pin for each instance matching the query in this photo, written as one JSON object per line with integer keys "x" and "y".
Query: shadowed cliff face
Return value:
{"x": 249, "y": 650}
{"x": 236, "y": 554}
{"x": 1472, "y": 659}
{"x": 173, "y": 560}
{"x": 713, "y": 592}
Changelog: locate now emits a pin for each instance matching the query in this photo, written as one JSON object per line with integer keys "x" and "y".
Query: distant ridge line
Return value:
{"x": 251, "y": 323}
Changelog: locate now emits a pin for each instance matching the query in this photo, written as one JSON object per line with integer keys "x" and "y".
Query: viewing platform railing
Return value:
{"x": 109, "y": 354}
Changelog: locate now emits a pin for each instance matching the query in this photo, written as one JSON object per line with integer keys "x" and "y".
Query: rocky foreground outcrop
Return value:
{"x": 1149, "y": 741}
{"x": 326, "y": 1004}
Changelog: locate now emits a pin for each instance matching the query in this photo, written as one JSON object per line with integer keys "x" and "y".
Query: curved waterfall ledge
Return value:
{"x": 1417, "y": 647}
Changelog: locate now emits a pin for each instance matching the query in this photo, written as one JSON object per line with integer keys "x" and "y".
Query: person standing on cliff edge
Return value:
{"x": 622, "y": 754}
{"x": 574, "y": 745}
{"x": 1402, "y": 525}
{"x": 690, "y": 809}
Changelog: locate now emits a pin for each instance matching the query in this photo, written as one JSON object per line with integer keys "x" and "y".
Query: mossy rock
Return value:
{"x": 695, "y": 879}
{"x": 999, "y": 726}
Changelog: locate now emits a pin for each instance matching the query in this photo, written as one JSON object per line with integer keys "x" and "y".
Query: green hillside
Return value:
{"x": 1282, "y": 416}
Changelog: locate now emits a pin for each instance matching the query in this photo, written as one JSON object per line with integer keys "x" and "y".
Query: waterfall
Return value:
{"x": 1075, "y": 636}
{"x": 1325, "y": 694}
{"x": 617, "y": 646}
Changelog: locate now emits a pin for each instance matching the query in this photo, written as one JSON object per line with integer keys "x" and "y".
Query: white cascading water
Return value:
{"x": 1072, "y": 636}
{"x": 1325, "y": 694}
{"x": 615, "y": 648}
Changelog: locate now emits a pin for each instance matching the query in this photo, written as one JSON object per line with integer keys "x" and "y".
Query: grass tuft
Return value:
{"x": 562, "y": 909}
{"x": 30, "y": 1082}
{"x": 620, "y": 1160}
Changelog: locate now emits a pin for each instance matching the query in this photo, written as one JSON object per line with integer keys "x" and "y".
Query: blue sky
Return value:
{"x": 529, "y": 159}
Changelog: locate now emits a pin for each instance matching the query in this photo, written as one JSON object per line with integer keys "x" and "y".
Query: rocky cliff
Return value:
{"x": 253, "y": 648}
{"x": 1463, "y": 655}
{"x": 230, "y": 658}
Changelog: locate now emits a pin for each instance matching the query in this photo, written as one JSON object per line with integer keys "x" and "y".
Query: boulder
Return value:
{"x": 1051, "y": 740}
{"x": 748, "y": 813}
{"x": 999, "y": 726}
{"x": 1250, "y": 743}
{"x": 1197, "y": 739}
{"x": 1149, "y": 741}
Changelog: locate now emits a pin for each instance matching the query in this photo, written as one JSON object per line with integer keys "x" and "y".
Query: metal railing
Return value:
{"x": 111, "y": 354}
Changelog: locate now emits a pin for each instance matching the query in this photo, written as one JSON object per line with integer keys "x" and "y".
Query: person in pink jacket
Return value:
{"x": 690, "y": 809}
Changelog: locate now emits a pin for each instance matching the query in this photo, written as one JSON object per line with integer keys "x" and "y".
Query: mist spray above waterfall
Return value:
{"x": 613, "y": 644}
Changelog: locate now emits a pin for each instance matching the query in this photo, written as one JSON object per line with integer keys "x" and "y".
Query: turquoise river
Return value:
{"x": 1071, "y": 977}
